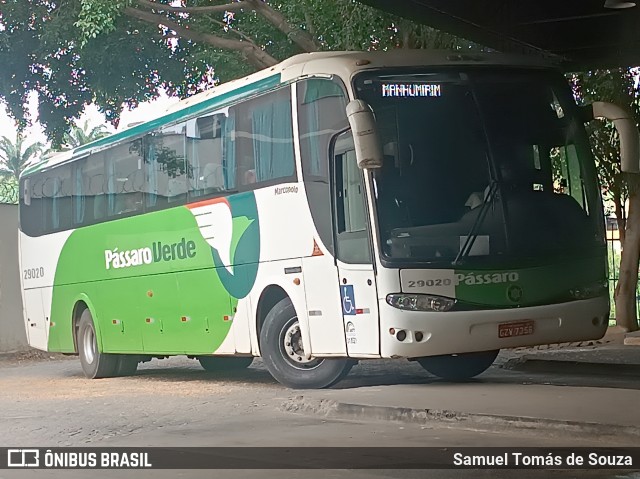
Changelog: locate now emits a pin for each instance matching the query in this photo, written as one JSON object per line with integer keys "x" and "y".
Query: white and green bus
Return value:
{"x": 334, "y": 208}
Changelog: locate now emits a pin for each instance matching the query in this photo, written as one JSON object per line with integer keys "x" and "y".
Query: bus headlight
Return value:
{"x": 591, "y": 291}
{"x": 420, "y": 302}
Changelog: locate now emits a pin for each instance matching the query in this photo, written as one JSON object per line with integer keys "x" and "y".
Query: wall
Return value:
{"x": 12, "y": 333}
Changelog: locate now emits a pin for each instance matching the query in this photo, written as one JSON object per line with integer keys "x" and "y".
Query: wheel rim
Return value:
{"x": 292, "y": 349}
{"x": 89, "y": 344}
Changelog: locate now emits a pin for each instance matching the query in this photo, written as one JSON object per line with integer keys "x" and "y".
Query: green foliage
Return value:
{"x": 613, "y": 260}
{"x": 40, "y": 51}
{"x": 81, "y": 135}
{"x": 8, "y": 190}
{"x": 98, "y": 17}
{"x": 19, "y": 38}
{"x": 616, "y": 86}
{"x": 14, "y": 155}
{"x": 117, "y": 53}
{"x": 350, "y": 25}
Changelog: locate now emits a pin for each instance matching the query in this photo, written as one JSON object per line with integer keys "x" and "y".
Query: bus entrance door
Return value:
{"x": 358, "y": 291}
{"x": 359, "y": 309}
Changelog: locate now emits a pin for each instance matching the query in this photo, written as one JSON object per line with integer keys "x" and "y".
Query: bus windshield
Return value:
{"x": 481, "y": 166}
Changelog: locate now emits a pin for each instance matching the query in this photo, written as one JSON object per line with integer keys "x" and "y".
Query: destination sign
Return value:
{"x": 411, "y": 90}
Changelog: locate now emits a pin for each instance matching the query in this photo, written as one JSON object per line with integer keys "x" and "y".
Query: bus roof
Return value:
{"x": 343, "y": 63}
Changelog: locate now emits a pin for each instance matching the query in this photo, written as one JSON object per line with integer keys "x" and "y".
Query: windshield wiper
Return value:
{"x": 473, "y": 232}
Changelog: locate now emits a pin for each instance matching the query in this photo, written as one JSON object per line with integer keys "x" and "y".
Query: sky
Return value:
{"x": 145, "y": 111}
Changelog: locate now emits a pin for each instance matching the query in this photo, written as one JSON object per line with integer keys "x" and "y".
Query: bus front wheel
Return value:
{"x": 95, "y": 364}
{"x": 461, "y": 366}
{"x": 283, "y": 353}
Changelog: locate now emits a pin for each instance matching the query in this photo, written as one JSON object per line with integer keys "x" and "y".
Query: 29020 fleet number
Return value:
{"x": 34, "y": 273}
{"x": 421, "y": 283}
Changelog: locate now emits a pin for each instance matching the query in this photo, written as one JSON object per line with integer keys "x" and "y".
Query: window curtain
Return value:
{"x": 314, "y": 140}
{"x": 152, "y": 175}
{"x": 229, "y": 152}
{"x": 55, "y": 214}
{"x": 315, "y": 91}
{"x": 79, "y": 197}
{"x": 193, "y": 165}
{"x": 272, "y": 140}
{"x": 111, "y": 186}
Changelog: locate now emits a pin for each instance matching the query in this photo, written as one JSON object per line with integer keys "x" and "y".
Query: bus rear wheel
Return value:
{"x": 95, "y": 364}
{"x": 455, "y": 367}
{"x": 213, "y": 363}
{"x": 283, "y": 353}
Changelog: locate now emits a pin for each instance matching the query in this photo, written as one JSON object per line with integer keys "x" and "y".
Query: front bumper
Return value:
{"x": 466, "y": 331}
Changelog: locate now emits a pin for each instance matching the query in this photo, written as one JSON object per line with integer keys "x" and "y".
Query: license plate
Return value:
{"x": 519, "y": 328}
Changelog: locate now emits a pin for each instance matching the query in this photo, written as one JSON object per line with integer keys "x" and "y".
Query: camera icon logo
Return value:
{"x": 23, "y": 458}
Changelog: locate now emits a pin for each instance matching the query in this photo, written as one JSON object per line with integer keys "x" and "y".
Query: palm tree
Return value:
{"x": 13, "y": 157}
{"x": 81, "y": 135}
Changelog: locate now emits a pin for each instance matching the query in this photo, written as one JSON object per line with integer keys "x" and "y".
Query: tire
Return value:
{"x": 94, "y": 363}
{"x": 127, "y": 364}
{"x": 281, "y": 348}
{"x": 221, "y": 364}
{"x": 456, "y": 367}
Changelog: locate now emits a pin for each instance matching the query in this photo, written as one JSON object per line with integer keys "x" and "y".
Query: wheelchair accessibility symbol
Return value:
{"x": 348, "y": 300}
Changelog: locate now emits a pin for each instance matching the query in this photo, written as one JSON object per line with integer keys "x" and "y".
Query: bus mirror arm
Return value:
{"x": 627, "y": 132}
{"x": 365, "y": 135}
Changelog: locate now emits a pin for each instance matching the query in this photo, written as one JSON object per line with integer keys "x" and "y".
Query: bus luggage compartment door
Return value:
{"x": 35, "y": 319}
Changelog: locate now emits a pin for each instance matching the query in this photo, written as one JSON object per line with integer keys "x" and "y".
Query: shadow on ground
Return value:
{"x": 377, "y": 373}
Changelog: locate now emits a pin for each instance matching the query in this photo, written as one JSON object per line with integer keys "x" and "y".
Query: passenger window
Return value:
{"x": 263, "y": 134}
{"x": 206, "y": 157}
{"x": 166, "y": 168}
{"x": 79, "y": 187}
{"x": 352, "y": 237}
{"x": 568, "y": 178}
{"x": 125, "y": 179}
{"x": 322, "y": 113}
{"x": 56, "y": 197}
{"x": 96, "y": 188}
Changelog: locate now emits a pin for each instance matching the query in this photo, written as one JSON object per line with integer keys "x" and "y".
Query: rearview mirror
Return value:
{"x": 365, "y": 135}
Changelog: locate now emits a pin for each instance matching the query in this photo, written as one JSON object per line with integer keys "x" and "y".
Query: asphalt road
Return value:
{"x": 175, "y": 403}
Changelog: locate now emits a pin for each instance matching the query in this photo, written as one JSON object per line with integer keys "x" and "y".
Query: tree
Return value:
{"x": 80, "y": 135}
{"x": 116, "y": 53}
{"x": 14, "y": 156}
{"x": 40, "y": 52}
{"x": 617, "y": 86}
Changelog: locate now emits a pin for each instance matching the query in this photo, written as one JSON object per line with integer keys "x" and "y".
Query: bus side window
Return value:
{"x": 352, "y": 238}
{"x": 125, "y": 181}
{"x": 321, "y": 114}
{"x": 166, "y": 167}
{"x": 204, "y": 155}
{"x": 568, "y": 178}
{"x": 57, "y": 198}
{"x": 264, "y": 140}
{"x": 95, "y": 192}
{"x": 33, "y": 215}
{"x": 80, "y": 184}
{"x": 322, "y": 107}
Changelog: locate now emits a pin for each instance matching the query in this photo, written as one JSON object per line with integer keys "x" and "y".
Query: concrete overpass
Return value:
{"x": 580, "y": 33}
